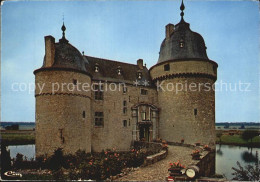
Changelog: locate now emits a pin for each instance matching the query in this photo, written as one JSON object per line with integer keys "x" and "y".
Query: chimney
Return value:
{"x": 49, "y": 50}
{"x": 169, "y": 29}
{"x": 140, "y": 63}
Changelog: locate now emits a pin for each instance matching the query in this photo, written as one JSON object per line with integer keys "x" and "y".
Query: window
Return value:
{"x": 83, "y": 114}
{"x": 96, "y": 68}
{"x": 167, "y": 67}
{"x": 195, "y": 112}
{"x": 125, "y": 123}
{"x": 139, "y": 75}
{"x": 181, "y": 43}
{"x": 119, "y": 70}
{"x": 144, "y": 92}
{"x": 99, "y": 121}
{"x": 124, "y": 107}
{"x": 75, "y": 81}
{"x": 98, "y": 92}
{"x": 143, "y": 115}
{"x": 124, "y": 89}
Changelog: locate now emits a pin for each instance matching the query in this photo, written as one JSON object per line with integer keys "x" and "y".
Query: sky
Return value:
{"x": 126, "y": 31}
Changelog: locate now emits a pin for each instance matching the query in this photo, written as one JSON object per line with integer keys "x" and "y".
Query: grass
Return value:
{"x": 238, "y": 140}
{"x": 17, "y": 138}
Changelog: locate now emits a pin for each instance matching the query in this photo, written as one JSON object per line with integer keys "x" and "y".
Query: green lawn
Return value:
{"x": 236, "y": 139}
{"x": 17, "y": 138}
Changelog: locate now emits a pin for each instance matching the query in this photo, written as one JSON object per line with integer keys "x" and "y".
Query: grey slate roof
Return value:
{"x": 108, "y": 70}
{"x": 194, "y": 45}
{"x": 67, "y": 56}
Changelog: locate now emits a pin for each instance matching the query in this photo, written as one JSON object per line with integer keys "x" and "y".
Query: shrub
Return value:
{"x": 248, "y": 172}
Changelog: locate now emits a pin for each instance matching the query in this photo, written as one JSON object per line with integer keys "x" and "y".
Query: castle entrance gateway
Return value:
{"x": 145, "y": 122}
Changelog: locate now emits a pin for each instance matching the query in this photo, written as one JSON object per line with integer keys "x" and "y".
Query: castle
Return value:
{"x": 93, "y": 104}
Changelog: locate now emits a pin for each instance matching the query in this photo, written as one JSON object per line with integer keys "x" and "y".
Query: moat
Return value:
{"x": 226, "y": 157}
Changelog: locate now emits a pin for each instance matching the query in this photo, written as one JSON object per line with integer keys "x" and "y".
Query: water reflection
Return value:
{"x": 227, "y": 157}
{"x": 249, "y": 157}
{"x": 219, "y": 151}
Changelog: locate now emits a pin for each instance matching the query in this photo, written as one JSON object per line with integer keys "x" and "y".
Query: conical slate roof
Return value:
{"x": 183, "y": 44}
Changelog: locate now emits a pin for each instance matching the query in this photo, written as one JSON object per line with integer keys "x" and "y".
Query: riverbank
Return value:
{"x": 237, "y": 140}
{"x": 19, "y": 137}
{"x": 23, "y": 137}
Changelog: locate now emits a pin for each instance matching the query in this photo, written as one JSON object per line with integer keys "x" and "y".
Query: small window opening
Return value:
{"x": 143, "y": 116}
{"x": 124, "y": 107}
{"x": 99, "y": 92}
{"x": 167, "y": 67}
{"x": 99, "y": 121}
{"x": 144, "y": 92}
{"x": 75, "y": 81}
{"x": 119, "y": 70}
{"x": 124, "y": 89}
{"x": 125, "y": 123}
{"x": 139, "y": 76}
{"x": 83, "y": 114}
{"x": 96, "y": 68}
{"x": 195, "y": 112}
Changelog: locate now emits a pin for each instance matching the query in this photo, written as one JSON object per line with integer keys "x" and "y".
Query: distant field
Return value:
{"x": 18, "y": 138}
{"x": 237, "y": 140}
{"x": 237, "y": 126}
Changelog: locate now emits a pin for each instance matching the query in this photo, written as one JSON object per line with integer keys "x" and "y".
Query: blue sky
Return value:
{"x": 127, "y": 31}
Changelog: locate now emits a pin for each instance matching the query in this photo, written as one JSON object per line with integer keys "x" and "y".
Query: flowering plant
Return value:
{"x": 195, "y": 154}
{"x": 206, "y": 147}
{"x": 176, "y": 165}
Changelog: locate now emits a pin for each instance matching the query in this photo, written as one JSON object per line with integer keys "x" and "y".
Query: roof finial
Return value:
{"x": 182, "y": 8}
{"x": 63, "y": 28}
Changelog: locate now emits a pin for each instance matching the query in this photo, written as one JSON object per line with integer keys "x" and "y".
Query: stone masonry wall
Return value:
{"x": 186, "y": 112}
{"x": 59, "y": 115}
{"x": 114, "y": 134}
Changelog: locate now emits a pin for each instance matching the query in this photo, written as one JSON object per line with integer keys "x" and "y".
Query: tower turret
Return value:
{"x": 185, "y": 76}
{"x": 63, "y": 106}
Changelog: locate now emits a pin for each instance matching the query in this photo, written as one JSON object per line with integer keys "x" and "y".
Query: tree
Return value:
{"x": 12, "y": 127}
{"x": 249, "y": 134}
{"x": 5, "y": 159}
{"x": 247, "y": 173}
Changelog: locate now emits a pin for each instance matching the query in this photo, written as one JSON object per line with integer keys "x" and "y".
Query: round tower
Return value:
{"x": 63, "y": 106}
{"x": 185, "y": 78}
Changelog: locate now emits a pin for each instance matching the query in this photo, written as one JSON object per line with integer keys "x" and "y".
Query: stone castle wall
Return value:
{"x": 187, "y": 114}
{"x": 113, "y": 134}
{"x": 59, "y": 115}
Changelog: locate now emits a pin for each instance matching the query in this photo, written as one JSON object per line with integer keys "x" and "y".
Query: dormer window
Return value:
{"x": 96, "y": 68}
{"x": 139, "y": 75}
{"x": 119, "y": 70}
{"x": 181, "y": 43}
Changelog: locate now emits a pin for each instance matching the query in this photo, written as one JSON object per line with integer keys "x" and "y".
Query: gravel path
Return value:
{"x": 159, "y": 170}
